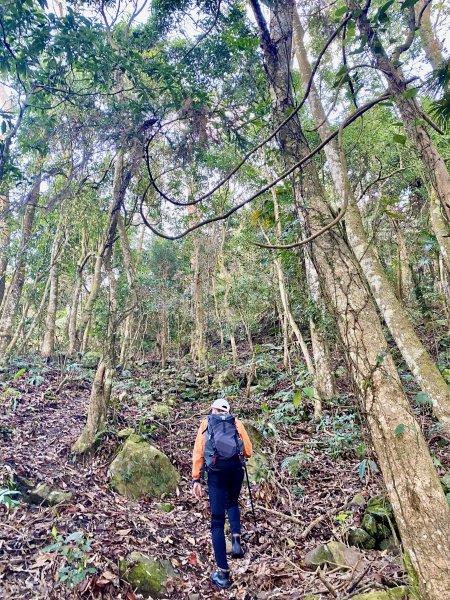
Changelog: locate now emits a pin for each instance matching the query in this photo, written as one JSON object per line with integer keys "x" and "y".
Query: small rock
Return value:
{"x": 360, "y": 538}
{"x": 165, "y": 507}
{"x": 256, "y": 437}
{"x": 380, "y": 509}
{"x": 225, "y": 379}
{"x": 397, "y": 593}
{"x": 194, "y": 597}
{"x": 43, "y": 494}
{"x": 370, "y": 525}
{"x": 145, "y": 574}
{"x": 257, "y": 467}
{"x": 124, "y": 433}
{"x": 358, "y": 500}
{"x": 383, "y": 532}
{"x": 389, "y": 545}
{"x": 228, "y": 546}
{"x": 160, "y": 411}
{"x": 318, "y": 556}
{"x": 343, "y": 556}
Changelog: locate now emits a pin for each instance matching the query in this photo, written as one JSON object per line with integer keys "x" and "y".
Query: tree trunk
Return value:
{"x": 431, "y": 45}
{"x": 410, "y": 112}
{"x": 48, "y": 344}
{"x": 419, "y": 504}
{"x": 226, "y": 304}
{"x": 101, "y": 389}
{"x": 440, "y": 228}
{"x": 126, "y": 347}
{"x": 4, "y": 242}
{"x": 198, "y": 349}
{"x": 14, "y": 292}
{"x": 404, "y": 278}
{"x": 413, "y": 351}
{"x": 24, "y": 341}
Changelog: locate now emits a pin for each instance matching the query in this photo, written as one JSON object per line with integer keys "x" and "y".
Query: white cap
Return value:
{"x": 221, "y": 404}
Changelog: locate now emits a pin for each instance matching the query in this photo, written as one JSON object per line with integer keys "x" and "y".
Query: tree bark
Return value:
{"x": 419, "y": 504}
{"x": 198, "y": 348}
{"x": 14, "y": 292}
{"x": 48, "y": 344}
{"x": 431, "y": 45}
{"x": 410, "y": 112}
{"x": 4, "y": 242}
{"x": 413, "y": 351}
{"x": 226, "y": 303}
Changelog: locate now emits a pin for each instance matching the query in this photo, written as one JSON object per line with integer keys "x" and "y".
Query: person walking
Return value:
{"x": 220, "y": 448}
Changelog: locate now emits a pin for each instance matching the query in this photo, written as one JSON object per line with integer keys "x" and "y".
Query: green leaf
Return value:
{"x": 54, "y": 532}
{"x": 19, "y": 373}
{"x": 411, "y": 93}
{"x": 422, "y": 398}
{"x": 341, "y": 11}
{"x": 309, "y": 392}
{"x": 297, "y": 399}
{"x": 394, "y": 215}
{"x": 399, "y": 139}
{"x": 399, "y": 429}
{"x": 362, "y": 469}
{"x": 408, "y": 4}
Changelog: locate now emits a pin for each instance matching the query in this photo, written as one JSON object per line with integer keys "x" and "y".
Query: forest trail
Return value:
{"x": 38, "y": 429}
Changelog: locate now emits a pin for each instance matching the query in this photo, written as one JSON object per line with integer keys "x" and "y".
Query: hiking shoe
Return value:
{"x": 221, "y": 579}
{"x": 236, "y": 548}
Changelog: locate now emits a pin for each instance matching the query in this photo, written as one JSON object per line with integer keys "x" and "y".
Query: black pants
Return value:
{"x": 224, "y": 487}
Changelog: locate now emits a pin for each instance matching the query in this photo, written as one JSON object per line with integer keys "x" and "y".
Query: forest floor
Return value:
{"x": 41, "y": 419}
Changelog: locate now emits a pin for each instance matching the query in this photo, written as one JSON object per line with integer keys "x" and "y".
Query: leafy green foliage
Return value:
{"x": 8, "y": 498}
{"x": 74, "y": 550}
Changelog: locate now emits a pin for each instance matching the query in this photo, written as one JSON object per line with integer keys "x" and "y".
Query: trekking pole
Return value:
{"x": 250, "y": 493}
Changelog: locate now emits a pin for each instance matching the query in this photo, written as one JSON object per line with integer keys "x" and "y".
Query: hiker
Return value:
{"x": 220, "y": 447}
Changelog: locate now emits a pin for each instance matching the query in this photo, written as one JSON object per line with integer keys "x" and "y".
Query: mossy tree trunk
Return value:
{"x": 419, "y": 504}
{"x": 413, "y": 351}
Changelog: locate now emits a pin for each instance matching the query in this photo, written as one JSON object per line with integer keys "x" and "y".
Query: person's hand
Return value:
{"x": 197, "y": 489}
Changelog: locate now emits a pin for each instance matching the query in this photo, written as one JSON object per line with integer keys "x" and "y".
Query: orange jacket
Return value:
{"x": 199, "y": 446}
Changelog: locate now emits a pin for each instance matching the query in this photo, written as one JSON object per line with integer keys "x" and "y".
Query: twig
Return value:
{"x": 361, "y": 576}
{"x": 322, "y": 518}
{"x": 280, "y": 514}
{"x": 326, "y": 583}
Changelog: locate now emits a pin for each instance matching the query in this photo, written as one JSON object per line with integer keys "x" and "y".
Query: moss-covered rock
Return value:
{"x": 256, "y": 437}
{"x": 358, "y": 500}
{"x": 360, "y": 538}
{"x": 146, "y": 575}
{"x": 225, "y": 379}
{"x": 43, "y": 494}
{"x": 318, "y": 556}
{"x": 398, "y": 593}
{"x": 380, "y": 509}
{"x": 165, "y": 507}
{"x": 343, "y": 556}
{"x": 90, "y": 360}
{"x": 161, "y": 410}
{"x": 140, "y": 469}
{"x": 126, "y": 432}
{"x": 383, "y": 532}
{"x": 257, "y": 467}
{"x": 370, "y": 525}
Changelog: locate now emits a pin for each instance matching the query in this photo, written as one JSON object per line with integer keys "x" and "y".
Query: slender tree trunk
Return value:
{"x": 36, "y": 319}
{"x": 126, "y": 348}
{"x": 431, "y": 45}
{"x": 419, "y": 504}
{"x": 48, "y": 344}
{"x": 219, "y": 320}
{"x": 440, "y": 228}
{"x": 226, "y": 303}
{"x": 86, "y": 315}
{"x": 14, "y": 292}
{"x": 101, "y": 389}
{"x": 4, "y": 242}
{"x": 405, "y": 283}
{"x": 410, "y": 112}
{"x": 198, "y": 348}
{"x": 413, "y": 351}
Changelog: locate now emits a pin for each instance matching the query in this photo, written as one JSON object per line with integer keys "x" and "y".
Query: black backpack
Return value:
{"x": 223, "y": 444}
